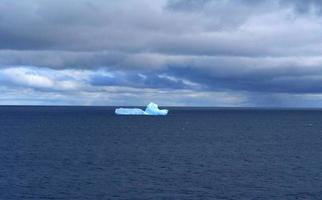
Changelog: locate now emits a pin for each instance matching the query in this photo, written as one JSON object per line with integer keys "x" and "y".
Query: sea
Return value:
{"x": 192, "y": 153}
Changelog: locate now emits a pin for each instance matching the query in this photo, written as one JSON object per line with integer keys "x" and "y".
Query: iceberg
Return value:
{"x": 129, "y": 111}
{"x": 151, "y": 109}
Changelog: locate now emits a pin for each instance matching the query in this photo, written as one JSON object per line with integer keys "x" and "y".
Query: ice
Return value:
{"x": 151, "y": 109}
{"x": 129, "y": 111}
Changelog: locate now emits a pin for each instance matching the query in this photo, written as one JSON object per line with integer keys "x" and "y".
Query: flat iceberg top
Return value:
{"x": 151, "y": 109}
{"x": 129, "y": 111}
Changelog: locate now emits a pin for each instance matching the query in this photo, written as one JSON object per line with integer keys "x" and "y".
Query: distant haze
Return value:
{"x": 172, "y": 52}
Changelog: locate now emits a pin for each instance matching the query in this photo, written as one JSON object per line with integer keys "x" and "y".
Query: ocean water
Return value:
{"x": 90, "y": 153}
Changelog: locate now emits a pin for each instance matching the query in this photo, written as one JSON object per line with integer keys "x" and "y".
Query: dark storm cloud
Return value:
{"x": 253, "y": 82}
{"x": 136, "y": 27}
{"x": 97, "y": 25}
{"x": 261, "y": 47}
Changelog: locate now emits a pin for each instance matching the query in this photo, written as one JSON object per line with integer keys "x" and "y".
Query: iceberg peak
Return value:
{"x": 151, "y": 109}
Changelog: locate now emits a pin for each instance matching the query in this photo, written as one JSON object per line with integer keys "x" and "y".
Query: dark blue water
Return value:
{"x": 90, "y": 153}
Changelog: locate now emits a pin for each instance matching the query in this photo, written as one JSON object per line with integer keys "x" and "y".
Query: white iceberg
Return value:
{"x": 151, "y": 109}
{"x": 129, "y": 111}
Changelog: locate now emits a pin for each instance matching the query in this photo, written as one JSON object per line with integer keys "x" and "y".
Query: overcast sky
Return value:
{"x": 172, "y": 52}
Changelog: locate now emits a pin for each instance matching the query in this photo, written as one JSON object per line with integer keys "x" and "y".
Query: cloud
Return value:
{"x": 222, "y": 28}
{"x": 21, "y": 77}
{"x": 40, "y": 79}
{"x": 304, "y": 7}
{"x": 44, "y": 86}
{"x": 250, "y": 50}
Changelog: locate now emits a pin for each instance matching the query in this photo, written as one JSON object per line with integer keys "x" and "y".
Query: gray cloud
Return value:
{"x": 251, "y": 49}
{"x": 309, "y": 6}
{"x": 222, "y": 28}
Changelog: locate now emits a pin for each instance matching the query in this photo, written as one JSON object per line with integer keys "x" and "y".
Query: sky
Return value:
{"x": 230, "y": 53}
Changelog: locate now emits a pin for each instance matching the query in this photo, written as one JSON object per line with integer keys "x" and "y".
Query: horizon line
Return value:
{"x": 164, "y": 106}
